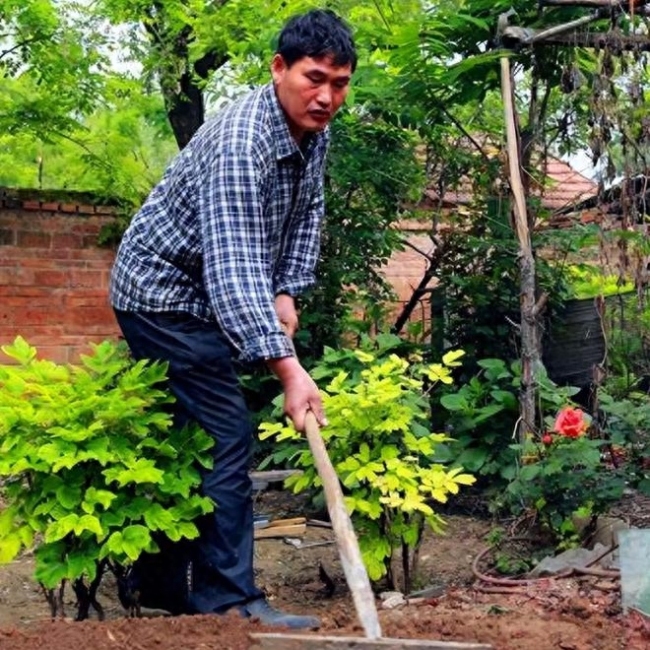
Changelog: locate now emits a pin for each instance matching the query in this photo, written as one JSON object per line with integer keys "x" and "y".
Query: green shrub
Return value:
{"x": 563, "y": 478}
{"x": 90, "y": 465}
{"x": 381, "y": 445}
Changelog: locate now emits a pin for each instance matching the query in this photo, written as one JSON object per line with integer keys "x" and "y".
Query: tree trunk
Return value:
{"x": 181, "y": 81}
{"x": 185, "y": 108}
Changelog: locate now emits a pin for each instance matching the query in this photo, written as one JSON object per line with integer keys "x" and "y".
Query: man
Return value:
{"x": 208, "y": 270}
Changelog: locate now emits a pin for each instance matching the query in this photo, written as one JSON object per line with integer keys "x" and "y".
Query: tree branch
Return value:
{"x": 601, "y": 40}
{"x": 17, "y": 46}
{"x": 609, "y": 4}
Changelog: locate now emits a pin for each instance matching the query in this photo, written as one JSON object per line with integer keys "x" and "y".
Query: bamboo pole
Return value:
{"x": 530, "y": 346}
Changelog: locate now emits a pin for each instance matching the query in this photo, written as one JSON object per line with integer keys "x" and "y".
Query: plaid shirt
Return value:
{"x": 234, "y": 221}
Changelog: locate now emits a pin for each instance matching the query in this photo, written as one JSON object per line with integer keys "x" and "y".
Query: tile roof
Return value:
{"x": 565, "y": 187}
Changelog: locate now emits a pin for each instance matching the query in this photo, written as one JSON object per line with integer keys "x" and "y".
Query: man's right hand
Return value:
{"x": 300, "y": 391}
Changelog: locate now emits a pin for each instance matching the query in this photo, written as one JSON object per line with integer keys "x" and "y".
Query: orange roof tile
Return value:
{"x": 564, "y": 187}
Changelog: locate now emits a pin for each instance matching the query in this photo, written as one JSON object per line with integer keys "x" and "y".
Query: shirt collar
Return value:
{"x": 286, "y": 146}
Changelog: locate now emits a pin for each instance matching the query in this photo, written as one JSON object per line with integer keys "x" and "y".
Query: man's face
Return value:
{"x": 310, "y": 91}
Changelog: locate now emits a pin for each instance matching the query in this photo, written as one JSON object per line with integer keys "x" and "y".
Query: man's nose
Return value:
{"x": 324, "y": 97}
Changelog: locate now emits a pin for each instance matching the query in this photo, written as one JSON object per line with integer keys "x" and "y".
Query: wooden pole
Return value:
{"x": 530, "y": 352}
{"x": 346, "y": 539}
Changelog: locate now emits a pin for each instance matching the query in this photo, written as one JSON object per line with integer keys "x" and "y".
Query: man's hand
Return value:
{"x": 285, "y": 308}
{"x": 300, "y": 392}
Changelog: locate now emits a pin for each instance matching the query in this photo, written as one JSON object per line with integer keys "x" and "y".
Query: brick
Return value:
{"x": 90, "y": 241}
{"x": 7, "y": 314}
{"x": 57, "y": 353}
{"x": 51, "y": 278}
{"x": 99, "y": 318}
{"x": 103, "y": 263}
{"x": 66, "y": 241}
{"x": 42, "y": 261}
{"x": 7, "y": 237}
{"x": 7, "y": 276}
{"x": 50, "y": 206}
{"x": 86, "y": 226}
{"x": 95, "y": 256}
{"x": 26, "y": 239}
{"x": 39, "y": 316}
{"x": 43, "y": 335}
{"x": 68, "y": 207}
{"x": 31, "y": 205}
{"x": 17, "y": 293}
{"x": 85, "y": 278}
{"x": 86, "y": 209}
{"x": 86, "y": 298}
{"x": 104, "y": 209}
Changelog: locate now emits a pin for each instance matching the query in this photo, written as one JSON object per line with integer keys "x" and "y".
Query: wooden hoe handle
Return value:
{"x": 346, "y": 540}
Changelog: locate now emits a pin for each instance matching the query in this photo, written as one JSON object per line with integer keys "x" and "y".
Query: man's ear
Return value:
{"x": 278, "y": 67}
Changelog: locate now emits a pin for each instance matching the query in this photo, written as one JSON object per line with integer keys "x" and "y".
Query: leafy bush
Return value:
{"x": 588, "y": 281}
{"x": 381, "y": 445}
{"x": 563, "y": 478}
{"x": 482, "y": 416}
{"x": 91, "y": 468}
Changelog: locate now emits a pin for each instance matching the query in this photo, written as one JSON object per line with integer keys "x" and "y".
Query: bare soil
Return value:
{"x": 566, "y": 614}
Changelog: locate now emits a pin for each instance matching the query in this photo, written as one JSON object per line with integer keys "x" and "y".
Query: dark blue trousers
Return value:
{"x": 202, "y": 377}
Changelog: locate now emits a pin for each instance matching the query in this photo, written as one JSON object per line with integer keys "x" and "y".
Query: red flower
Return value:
{"x": 571, "y": 422}
{"x": 547, "y": 438}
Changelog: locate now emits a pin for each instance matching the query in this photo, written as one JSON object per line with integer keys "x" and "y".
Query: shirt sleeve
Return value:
{"x": 237, "y": 267}
{"x": 294, "y": 272}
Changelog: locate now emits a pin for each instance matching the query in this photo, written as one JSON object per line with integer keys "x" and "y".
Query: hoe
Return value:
{"x": 356, "y": 577}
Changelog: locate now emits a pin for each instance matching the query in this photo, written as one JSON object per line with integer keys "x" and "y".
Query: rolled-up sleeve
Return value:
{"x": 237, "y": 269}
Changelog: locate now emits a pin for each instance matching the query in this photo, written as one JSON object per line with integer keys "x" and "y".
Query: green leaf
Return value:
{"x": 10, "y": 546}
{"x": 80, "y": 564}
{"x": 60, "y": 528}
{"x": 68, "y": 496}
{"x": 473, "y": 459}
{"x": 454, "y": 402}
{"x": 51, "y": 574}
{"x": 158, "y": 518}
{"x": 95, "y": 497}
{"x": 451, "y": 358}
{"x": 20, "y": 350}
{"x": 141, "y": 471}
{"x": 135, "y": 539}
{"x": 89, "y": 523}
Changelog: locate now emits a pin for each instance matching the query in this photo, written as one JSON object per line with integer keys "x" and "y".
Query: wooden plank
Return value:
{"x": 287, "y": 522}
{"x": 297, "y": 530}
{"x": 274, "y": 475}
{"x": 314, "y": 642}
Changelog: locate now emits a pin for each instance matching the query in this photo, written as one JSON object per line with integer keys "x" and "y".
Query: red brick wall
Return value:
{"x": 53, "y": 276}
{"x": 406, "y": 268}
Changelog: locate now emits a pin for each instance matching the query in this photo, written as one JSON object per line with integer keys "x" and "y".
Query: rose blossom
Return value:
{"x": 570, "y": 422}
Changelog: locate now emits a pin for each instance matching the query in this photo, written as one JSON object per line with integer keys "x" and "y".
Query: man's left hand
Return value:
{"x": 285, "y": 308}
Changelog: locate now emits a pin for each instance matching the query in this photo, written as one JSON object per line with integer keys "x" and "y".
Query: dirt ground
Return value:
{"x": 566, "y": 614}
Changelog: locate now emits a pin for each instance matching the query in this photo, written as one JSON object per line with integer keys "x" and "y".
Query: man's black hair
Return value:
{"x": 316, "y": 34}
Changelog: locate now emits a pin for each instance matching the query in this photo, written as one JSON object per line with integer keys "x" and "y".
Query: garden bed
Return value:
{"x": 567, "y": 614}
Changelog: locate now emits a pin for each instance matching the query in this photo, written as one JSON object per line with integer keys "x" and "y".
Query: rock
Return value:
{"x": 392, "y": 599}
{"x": 574, "y": 558}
